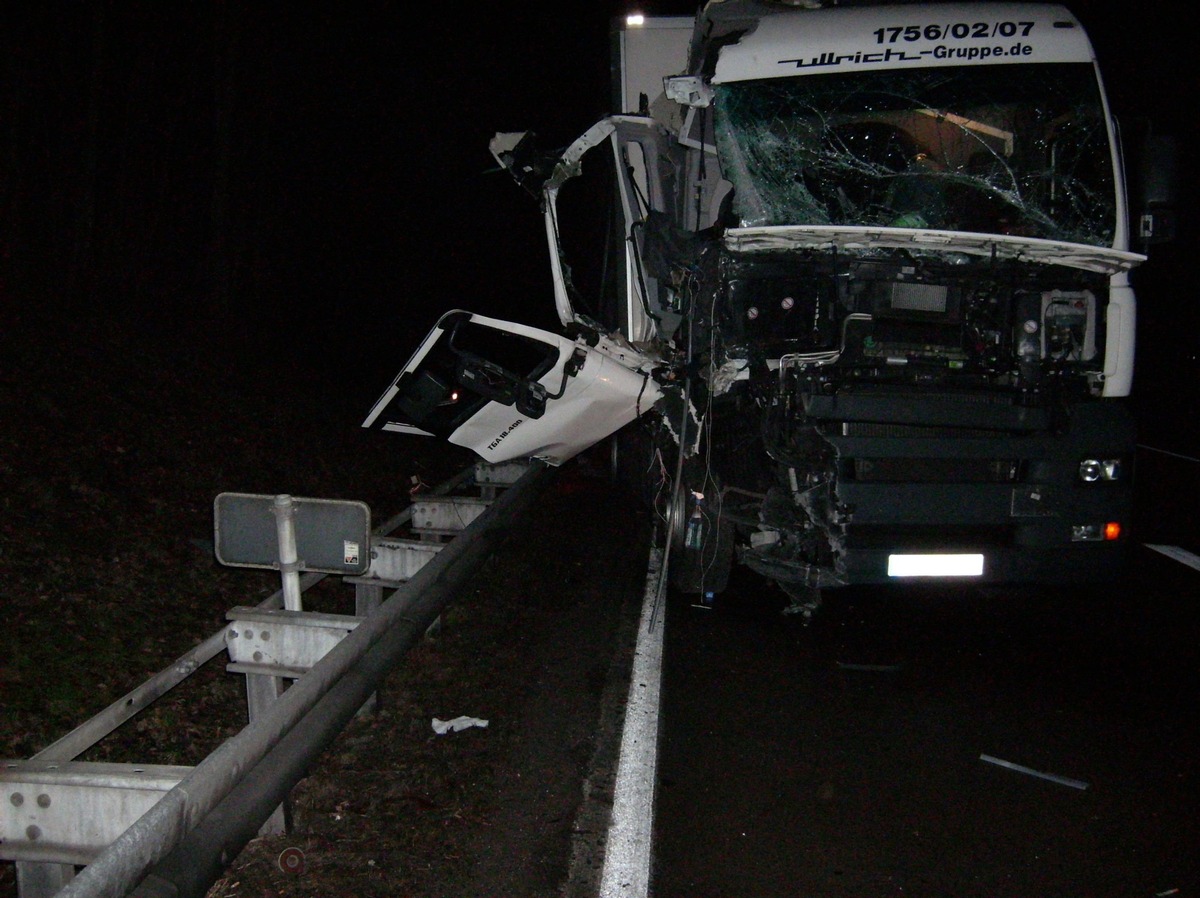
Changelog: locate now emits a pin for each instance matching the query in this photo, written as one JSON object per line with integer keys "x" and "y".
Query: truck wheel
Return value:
{"x": 632, "y": 461}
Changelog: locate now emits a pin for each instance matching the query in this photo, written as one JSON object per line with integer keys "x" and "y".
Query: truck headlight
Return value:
{"x": 1093, "y": 469}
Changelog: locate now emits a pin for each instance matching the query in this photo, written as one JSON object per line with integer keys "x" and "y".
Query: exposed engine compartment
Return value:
{"x": 802, "y": 354}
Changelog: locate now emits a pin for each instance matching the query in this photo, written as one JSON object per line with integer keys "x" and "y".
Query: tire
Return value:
{"x": 632, "y": 463}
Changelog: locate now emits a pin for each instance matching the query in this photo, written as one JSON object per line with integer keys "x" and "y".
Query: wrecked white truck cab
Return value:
{"x": 869, "y": 262}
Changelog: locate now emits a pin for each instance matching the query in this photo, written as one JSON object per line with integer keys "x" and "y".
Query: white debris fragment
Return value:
{"x": 1052, "y": 777}
{"x": 441, "y": 727}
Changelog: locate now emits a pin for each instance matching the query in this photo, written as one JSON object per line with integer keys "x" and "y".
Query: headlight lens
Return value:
{"x": 1093, "y": 469}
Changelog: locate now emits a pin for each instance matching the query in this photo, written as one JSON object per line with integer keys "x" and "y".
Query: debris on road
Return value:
{"x": 441, "y": 727}
{"x": 1052, "y": 777}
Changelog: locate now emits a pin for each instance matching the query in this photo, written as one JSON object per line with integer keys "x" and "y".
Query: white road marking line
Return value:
{"x": 1181, "y": 555}
{"x": 628, "y": 849}
{"x": 1021, "y": 768}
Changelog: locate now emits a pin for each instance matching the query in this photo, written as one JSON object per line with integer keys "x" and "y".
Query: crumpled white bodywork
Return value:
{"x": 610, "y": 387}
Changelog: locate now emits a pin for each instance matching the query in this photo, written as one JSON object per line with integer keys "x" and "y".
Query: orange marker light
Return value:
{"x": 1112, "y": 530}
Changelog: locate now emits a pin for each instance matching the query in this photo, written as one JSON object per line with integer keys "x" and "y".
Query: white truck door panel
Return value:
{"x": 507, "y": 390}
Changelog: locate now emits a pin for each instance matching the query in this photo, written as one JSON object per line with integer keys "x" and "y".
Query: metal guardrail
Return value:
{"x": 182, "y": 844}
{"x": 128, "y": 706}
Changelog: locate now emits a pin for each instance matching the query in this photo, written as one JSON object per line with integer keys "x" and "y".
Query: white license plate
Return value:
{"x": 941, "y": 565}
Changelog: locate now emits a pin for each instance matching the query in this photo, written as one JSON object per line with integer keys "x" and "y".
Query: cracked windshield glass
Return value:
{"x": 1017, "y": 150}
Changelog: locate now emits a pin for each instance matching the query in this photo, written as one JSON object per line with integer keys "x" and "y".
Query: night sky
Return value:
{"x": 314, "y": 183}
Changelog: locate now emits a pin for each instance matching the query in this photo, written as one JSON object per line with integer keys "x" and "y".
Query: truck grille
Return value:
{"x": 927, "y": 537}
{"x": 872, "y": 429}
{"x": 936, "y": 470}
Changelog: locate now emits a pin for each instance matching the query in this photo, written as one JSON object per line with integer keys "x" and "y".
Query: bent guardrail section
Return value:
{"x": 186, "y": 837}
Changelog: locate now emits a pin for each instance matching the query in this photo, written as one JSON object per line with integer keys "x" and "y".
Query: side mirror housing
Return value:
{"x": 1158, "y": 190}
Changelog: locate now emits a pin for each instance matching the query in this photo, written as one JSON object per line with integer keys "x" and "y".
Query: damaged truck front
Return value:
{"x": 867, "y": 271}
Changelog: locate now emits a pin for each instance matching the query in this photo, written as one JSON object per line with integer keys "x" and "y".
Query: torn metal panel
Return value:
{"x": 511, "y": 391}
{"x": 645, "y": 164}
{"x": 931, "y": 242}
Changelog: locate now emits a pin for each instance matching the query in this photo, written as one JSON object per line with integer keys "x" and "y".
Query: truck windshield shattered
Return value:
{"x": 1002, "y": 149}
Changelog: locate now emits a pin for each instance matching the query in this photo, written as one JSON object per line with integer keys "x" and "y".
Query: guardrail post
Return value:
{"x": 285, "y": 523}
{"x": 261, "y": 692}
{"x": 491, "y": 477}
{"x": 367, "y": 598}
{"x": 393, "y": 563}
{"x": 38, "y": 880}
{"x": 270, "y": 646}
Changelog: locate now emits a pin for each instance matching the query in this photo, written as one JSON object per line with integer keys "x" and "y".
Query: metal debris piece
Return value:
{"x": 1053, "y": 777}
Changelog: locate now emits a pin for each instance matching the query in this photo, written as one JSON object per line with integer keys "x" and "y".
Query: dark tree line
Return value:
{"x": 252, "y": 166}
{"x": 117, "y": 142}
{"x": 188, "y": 166}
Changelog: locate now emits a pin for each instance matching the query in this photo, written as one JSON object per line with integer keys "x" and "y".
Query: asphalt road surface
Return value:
{"x": 844, "y": 758}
